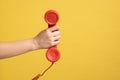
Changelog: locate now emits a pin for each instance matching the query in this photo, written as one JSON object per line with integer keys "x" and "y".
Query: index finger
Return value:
{"x": 54, "y": 28}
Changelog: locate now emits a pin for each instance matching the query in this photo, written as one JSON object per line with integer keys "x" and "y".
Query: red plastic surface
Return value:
{"x": 53, "y": 54}
{"x": 52, "y": 17}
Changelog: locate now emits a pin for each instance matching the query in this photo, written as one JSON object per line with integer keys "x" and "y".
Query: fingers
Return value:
{"x": 54, "y": 35}
{"x": 55, "y": 43}
{"x": 54, "y": 28}
{"x": 57, "y": 38}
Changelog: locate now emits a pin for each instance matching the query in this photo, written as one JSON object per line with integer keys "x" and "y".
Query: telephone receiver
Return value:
{"x": 51, "y": 17}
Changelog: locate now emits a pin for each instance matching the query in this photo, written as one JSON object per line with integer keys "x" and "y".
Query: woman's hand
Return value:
{"x": 47, "y": 38}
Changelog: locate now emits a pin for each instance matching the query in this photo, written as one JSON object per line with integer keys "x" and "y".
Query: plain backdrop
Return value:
{"x": 90, "y": 43}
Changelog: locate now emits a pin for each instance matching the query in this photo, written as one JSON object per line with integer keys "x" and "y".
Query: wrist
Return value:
{"x": 35, "y": 45}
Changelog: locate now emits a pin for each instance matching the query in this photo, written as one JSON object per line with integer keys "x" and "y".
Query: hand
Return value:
{"x": 47, "y": 38}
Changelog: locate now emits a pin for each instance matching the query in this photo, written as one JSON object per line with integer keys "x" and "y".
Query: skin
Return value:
{"x": 44, "y": 40}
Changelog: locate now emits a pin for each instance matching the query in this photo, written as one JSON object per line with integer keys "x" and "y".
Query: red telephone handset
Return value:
{"x": 52, "y": 17}
{"x": 52, "y": 54}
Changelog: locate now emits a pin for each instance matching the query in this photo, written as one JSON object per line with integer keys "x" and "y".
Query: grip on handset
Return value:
{"x": 52, "y": 17}
{"x": 52, "y": 54}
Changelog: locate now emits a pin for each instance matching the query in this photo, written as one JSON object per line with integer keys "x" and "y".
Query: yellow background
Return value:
{"x": 90, "y": 43}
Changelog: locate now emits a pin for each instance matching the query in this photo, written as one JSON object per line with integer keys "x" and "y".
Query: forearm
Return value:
{"x": 9, "y": 49}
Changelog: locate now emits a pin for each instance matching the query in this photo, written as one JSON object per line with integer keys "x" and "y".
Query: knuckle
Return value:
{"x": 58, "y": 27}
{"x": 59, "y": 37}
{"x": 47, "y": 31}
{"x": 51, "y": 44}
{"x": 58, "y": 42}
{"x": 50, "y": 39}
{"x": 49, "y": 35}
